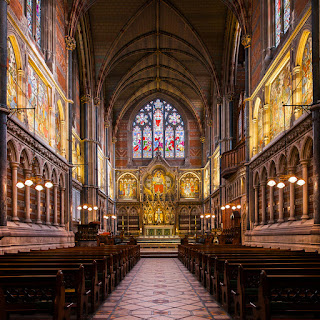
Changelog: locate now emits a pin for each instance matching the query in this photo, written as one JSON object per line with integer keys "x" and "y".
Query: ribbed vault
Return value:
{"x": 174, "y": 47}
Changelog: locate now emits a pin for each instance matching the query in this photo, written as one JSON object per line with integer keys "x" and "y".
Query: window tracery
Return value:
{"x": 158, "y": 127}
{"x": 282, "y": 14}
{"x": 33, "y": 14}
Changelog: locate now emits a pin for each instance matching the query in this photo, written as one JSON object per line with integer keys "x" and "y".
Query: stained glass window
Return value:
{"x": 307, "y": 82}
{"x": 12, "y": 96}
{"x": 286, "y": 15}
{"x": 38, "y": 22}
{"x": 158, "y": 127}
{"x": 278, "y": 21}
{"x": 33, "y": 15}
{"x": 29, "y": 13}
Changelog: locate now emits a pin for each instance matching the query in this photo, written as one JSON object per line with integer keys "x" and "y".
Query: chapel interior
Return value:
{"x": 178, "y": 136}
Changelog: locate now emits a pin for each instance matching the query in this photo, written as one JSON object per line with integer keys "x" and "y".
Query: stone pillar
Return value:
{"x": 316, "y": 112}
{"x": 62, "y": 204}
{"x": 70, "y": 46}
{"x": 292, "y": 200}
{"x": 55, "y": 204}
{"x": 27, "y": 199}
{"x": 48, "y": 206}
{"x": 14, "y": 170}
{"x": 280, "y": 220}
{"x": 39, "y": 204}
{"x": 264, "y": 205}
{"x": 305, "y": 195}
{"x": 256, "y": 205}
{"x": 3, "y": 112}
{"x": 246, "y": 42}
{"x": 271, "y": 205}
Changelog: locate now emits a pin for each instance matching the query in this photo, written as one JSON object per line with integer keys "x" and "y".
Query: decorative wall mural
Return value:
{"x": 158, "y": 183}
{"x": 280, "y": 93}
{"x": 110, "y": 181}
{"x": 307, "y": 82}
{"x": 38, "y": 98}
{"x": 127, "y": 187}
{"x": 206, "y": 181}
{"x": 260, "y": 121}
{"x": 216, "y": 170}
{"x": 12, "y": 95}
{"x": 189, "y": 186}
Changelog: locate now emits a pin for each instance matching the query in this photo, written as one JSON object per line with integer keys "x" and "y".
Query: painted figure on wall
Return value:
{"x": 189, "y": 186}
{"x": 307, "y": 81}
{"x": 280, "y": 93}
{"x": 12, "y": 96}
{"x": 127, "y": 187}
{"x": 158, "y": 182}
{"x": 206, "y": 182}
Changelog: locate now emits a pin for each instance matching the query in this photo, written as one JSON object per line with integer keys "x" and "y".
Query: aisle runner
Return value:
{"x": 160, "y": 289}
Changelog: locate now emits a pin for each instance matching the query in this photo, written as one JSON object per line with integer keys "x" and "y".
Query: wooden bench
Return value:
{"x": 34, "y": 294}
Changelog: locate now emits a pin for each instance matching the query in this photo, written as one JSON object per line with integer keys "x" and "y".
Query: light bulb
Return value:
{"x": 293, "y": 179}
{"x": 79, "y": 208}
{"x": 89, "y": 209}
{"x": 234, "y": 208}
{"x": 223, "y": 208}
{"x": 271, "y": 183}
{"x": 48, "y": 184}
{"x": 95, "y": 208}
{"x": 208, "y": 216}
{"x": 300, "y": 182}
{"x": 213, "y": 216}
{"x": 105, "y": 217}
{"x": 202, "y": 216}
{"x": 20, "y": 185}
{"x": 227, "y": 206}
{"x": 114, "y": 217}
{"x": 85, "y": 207}
{"x": 238, "y": 206}
{"x": 39, "y": 187}
{"x": 281, "y": 185}
{"x": 28, "y": 182}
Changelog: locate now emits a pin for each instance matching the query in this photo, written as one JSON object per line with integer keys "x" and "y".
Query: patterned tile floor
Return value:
{"x": 160, "y": 289}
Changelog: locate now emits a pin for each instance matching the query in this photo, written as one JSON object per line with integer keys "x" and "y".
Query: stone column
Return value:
{"x": 48, "y": 206}
{"x": 316, "y": 113}
{"x": 305, "y": 195}
{"x": 292, "y": 200}
{"x": 27, "y": 199}
{"x": 246, "y": 42}
{"x": 14, "y": 170}
{"x": 3, "y": 112}
{"x": 62, "y": 190}
{"x": 55, "y": 204}
{"x": 39, "y": 204}
{"x": 264, "y": 205}
{"x": 271, "y": 205}
{"x": 280, "y": 220}
{"x": 256, "y": 205}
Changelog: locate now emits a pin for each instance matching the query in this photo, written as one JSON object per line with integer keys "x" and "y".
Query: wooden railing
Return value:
{"x": 231, "y": 160}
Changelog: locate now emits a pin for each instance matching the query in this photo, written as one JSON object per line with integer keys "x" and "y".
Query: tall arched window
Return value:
{"x": 33, "y": 14}
{"x": 158, "y": 127}
{"x": 282, "y": 12}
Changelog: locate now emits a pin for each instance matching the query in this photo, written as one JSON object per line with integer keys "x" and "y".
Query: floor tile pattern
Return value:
{"x": 160, "y": 289}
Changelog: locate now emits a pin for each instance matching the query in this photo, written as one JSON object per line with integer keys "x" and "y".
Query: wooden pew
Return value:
{"x": 288, "y": 296}
{"x": 28, "y": 294}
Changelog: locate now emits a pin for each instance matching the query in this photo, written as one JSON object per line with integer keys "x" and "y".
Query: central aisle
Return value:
{"x": 158, "y": 289}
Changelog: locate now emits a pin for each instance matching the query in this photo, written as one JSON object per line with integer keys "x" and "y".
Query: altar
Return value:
{"x": 158, "y": 230}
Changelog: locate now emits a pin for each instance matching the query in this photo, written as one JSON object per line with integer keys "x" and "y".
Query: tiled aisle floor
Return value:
{"x": 160, "y": 289}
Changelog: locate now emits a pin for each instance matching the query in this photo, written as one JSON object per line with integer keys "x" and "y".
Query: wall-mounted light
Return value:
{"x": 223, "y": 208}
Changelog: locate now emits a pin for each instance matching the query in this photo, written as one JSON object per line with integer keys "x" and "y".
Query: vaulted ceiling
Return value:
{"x": 175, "y": 47}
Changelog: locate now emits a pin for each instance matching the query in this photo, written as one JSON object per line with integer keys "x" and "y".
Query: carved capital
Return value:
{"x": 70, "y": 43}
{"x": 96, "y": 101}
{"x": 219, "y": 100}
{"x": 203, "y": 139}
{"x": 85, "y": 98}
{"x": 246, "y": 40}
{"x": 114, "y": 140}
{"x": 230, "y": 96}
{"x": 7, "y": 1}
